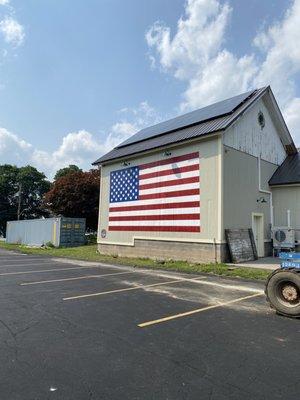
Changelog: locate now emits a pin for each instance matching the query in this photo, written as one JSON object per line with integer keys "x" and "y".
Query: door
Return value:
{"x": 258, "y": 233}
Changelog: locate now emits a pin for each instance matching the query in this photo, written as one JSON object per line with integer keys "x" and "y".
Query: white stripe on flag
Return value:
{"x": 189, "y": 222}
{"x": 167, "y": 211}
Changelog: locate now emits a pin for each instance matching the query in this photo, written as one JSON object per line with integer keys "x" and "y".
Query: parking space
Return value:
{"x": 80, "y": 330}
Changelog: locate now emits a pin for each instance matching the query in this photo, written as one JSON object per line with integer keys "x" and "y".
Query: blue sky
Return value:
{"x": 77, "y": 77}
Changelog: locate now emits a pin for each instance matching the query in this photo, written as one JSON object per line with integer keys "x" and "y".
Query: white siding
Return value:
{"x": 246, "y": 135}
{"x": 241, "y": 190}
{"x": 287, "y": 198}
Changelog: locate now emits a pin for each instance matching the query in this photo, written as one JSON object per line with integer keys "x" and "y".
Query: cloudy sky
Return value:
{"x": 77, "y": 77}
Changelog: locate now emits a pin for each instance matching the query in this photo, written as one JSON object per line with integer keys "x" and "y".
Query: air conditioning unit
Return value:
{"x": 283, "y": 237}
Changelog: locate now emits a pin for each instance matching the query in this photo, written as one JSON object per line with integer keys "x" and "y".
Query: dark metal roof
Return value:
{"x": 288, "y": 173}
{"x": 183, "y": 128}
{"x": 224, "y": 107}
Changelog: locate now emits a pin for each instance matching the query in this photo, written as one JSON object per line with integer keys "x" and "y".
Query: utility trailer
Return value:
{"x": 283, "y": 286}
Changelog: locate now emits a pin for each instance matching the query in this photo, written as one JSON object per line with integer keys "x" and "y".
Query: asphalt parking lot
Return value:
{"x": 78, "y": 330}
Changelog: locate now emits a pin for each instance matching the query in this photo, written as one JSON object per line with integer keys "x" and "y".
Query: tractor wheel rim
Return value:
{"x": 288, "y": 294}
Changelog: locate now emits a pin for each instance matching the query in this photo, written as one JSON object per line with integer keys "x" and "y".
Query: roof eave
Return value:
{"x": 287, "y": 139}
{"x": 297, "y": 183}
{"x": 203, "y": 136}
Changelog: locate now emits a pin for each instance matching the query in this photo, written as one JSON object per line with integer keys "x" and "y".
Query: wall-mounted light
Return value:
{"x": 167, "y": 153}
{"x": 261, "y": 200}
{"x": 126, "y": 163}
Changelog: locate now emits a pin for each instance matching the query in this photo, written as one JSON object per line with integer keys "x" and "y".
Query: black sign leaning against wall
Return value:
{"x": 241, "y": 245}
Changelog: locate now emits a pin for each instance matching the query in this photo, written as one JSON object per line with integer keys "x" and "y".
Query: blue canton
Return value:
{"x": 124, "y": 185}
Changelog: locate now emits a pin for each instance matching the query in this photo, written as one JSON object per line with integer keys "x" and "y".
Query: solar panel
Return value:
{"x": 214, "y": 110}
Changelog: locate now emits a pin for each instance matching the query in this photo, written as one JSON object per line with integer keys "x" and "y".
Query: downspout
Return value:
{"x": 265, "y": 192}
{"x": 288, "y": 213}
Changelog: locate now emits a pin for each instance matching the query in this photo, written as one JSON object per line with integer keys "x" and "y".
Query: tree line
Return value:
{"x": 26, "y": 193}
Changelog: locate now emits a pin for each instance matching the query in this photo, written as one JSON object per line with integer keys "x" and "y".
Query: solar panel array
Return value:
{"x": 215, "y": 110}
{"x": 186, "y": 130}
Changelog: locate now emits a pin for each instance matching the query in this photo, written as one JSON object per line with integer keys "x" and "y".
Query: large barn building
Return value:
{"x": 172, "y": 189}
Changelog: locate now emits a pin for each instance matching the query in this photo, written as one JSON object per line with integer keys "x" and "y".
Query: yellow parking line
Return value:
{"x": 178, "y": 280}
{"x": 44, "y": 270}
{"x": 74, "y": 279}
{"x": 198, "y": 310}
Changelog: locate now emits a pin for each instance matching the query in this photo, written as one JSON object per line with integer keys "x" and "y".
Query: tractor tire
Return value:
{"x": 283, "y": 291}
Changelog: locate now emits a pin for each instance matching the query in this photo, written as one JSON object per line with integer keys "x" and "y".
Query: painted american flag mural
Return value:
{"x": 162, "y": 195}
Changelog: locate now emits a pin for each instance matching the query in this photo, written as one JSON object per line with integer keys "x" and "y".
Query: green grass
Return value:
{"x": 89, "y": 253}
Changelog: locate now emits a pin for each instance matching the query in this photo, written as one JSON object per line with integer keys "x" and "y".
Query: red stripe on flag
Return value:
{"x": 184, "y": 204}
{"x": 177, "y": 170}
{"x": 172, "y": 182}
{"x": 170, "y": 160}
{"x": 177, "y": 193}
{"x": 163, "y": 217}
{"x": 156, "y": 228}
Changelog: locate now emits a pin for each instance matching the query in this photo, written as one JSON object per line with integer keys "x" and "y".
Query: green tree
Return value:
{"x": 67, "y": 170}
{"x": 21, "y": 193}
{"x": 8, "y": 190}
{"x": 76, "y": 195}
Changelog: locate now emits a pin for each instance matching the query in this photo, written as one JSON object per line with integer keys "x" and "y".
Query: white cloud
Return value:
{"x": 12, "y": 31}
{"x": 215, "y": 81}
{"x": 135, "y": 119}
{"x": 197, "y": 54}
{"x": 197, "y": 40}
{"x": 282, "y": 54}
{"x": 144, "y": 112}
{"x": 12, "y": 148}
{"x": 80, "y": 148}
{"x": 120, "y": 131}
{"x": 292, "y": 117}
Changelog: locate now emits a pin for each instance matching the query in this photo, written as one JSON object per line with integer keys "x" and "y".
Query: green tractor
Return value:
{"x": 283, "y": 286}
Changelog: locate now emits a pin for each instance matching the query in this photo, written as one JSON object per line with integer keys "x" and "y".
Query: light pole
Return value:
{"x": 19, "y": 201}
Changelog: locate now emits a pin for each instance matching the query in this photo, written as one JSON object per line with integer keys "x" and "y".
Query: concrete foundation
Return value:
{"x": 155, "y": 249}
{"x": 166, "y": 250}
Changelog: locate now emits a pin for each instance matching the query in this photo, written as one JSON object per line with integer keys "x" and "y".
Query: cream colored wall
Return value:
{"x": 246, "y": 135}
{"x": 287, "y": 198}
{"x": 210, "y": 198}
{"x": 241, "y": 190}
